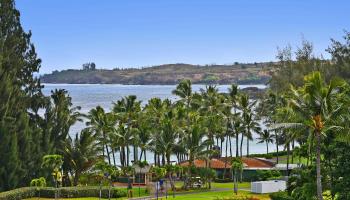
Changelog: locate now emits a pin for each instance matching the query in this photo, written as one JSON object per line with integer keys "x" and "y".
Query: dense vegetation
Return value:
{"x": 306, "y": 111}
{"x": 166, "y": 74}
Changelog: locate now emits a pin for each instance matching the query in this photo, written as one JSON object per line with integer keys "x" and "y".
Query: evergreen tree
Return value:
{"x": 20, "y": 99}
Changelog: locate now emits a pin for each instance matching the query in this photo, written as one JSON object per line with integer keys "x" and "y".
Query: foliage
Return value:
{"x": 65, "y": 192}
{"x": 264, "y": 175}
{"x": 19, "y": 193}
{"x": 280, "y": 196}
{"x": 81, "y": 153}
{"x": 38, "y": 182}
{"x": 20, "y": 100}
{"x": 159, "y": 172}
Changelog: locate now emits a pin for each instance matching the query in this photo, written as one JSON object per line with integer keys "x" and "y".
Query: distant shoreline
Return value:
{"x": 171, "y": 74}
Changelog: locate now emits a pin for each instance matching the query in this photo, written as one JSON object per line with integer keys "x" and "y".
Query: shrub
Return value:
{"x": 74, "y": 192}
{"x": 263, "y": 175}
{"x": 280, "y": 196}
{"x": 220, "y": 180}
{"x": 18, "y": 194}
{"x": 268, "y": 156}
{"x": 64, "y": 192}
{"x": 238, "y": 198}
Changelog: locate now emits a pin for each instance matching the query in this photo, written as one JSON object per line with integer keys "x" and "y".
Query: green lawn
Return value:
{"x": 220, "y": 185}
{"x": 283, "y": 160}
{"x": 197, "y": 196}
{"x": 202, "y": 194}
{"x": 230, "y": 185}
{"x": 86, "y": 198}
{"x": 220, "y": 194}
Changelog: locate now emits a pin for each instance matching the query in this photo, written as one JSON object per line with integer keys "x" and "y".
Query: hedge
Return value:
{"x": 19, "y": 193}
{"x": 271, "y": 154}
{"x": 64, "y": 192}
{"x": 280, "y": 196}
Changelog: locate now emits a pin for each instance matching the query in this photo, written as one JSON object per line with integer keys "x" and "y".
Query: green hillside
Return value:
{"x": 166, "y": 74}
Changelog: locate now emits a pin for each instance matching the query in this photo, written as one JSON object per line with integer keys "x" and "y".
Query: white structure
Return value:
{"x": 268, "y": 186}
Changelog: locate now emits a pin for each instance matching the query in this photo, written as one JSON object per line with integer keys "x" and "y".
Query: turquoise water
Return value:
{"x": 88, "y": 96}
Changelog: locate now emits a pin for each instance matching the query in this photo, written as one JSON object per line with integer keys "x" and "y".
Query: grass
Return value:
{"x": 220, "y": 194}
{"x": 230, "y": 185}
{"x": 198, "y": 194}
{"x": 85, "y": 198}
{"x": 283, "y": 160}
{"x": 214, "y": 185}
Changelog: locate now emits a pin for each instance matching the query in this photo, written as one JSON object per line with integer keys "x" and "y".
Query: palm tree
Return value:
{"x": 236, "y": 165}
{"x": 62, "y": 115}
{"x": 320, "y": 106}
{"x": 184, "y": 91}
{"x": 155, "y": 110}
{"x": 102, "y": 124}
{"x": 268, "y": 109}
{"x": 266, "y": 137}
{"x": 250, "y": 124}
{"x": 54, "y": 163}
{"x": 248, "y": 120}
{"x": 122, "y": 138}
{"x": 211, "y": 110}
{"x": 168, "y": 135}
{"x": 127, "y": 110}
{"x": 144, "y": 135}
{"x": 81, "y": 153}
{"x": 195, "y": 143}
{"x": 233, "y": 98}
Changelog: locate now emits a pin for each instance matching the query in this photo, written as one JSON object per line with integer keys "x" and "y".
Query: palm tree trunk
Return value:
{"x": 115, "y": 164}
{"x": 124, "y": 155}
{"x": 292, "y": 151}
{"x": 155, "y": 158}
{"x": 267, "y": 148}
{"x": 145, "y": 158}
{"x": 76, "y": 178}
{"x": 141, "y": 155}
{"x": 276, "y": 136}
{"x": 121, "y": 156}
{"x": 237, "y": 145}
{"x": 242, "y": 145}
{"x": 127, "y": 155}
{"x": 318, "y": 166}
{"x": 168, "y": 158}
{"x": 235, "y": 185}
{"x": 221, "y": 141}
{"x": 247, "y": 147}
{"x": 288, "y": 152}
{"x": 158, "y": 158}
{"x": 225, "y": 157}
{"x": 135, "y": 153}
{"x": 108, "y": 155}
{"x": 229, "y": 139}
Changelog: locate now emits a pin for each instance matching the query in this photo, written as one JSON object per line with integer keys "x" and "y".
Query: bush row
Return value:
{"x": 270, "y": 155}
{"x": 280, "y": 196}
{"x": 19, "y": 193}
{"x": 64, "y": 192}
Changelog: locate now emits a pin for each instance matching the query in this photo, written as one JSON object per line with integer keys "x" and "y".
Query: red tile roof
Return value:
{"x": 214, "y": 163}
{"x": 220, "y": 163}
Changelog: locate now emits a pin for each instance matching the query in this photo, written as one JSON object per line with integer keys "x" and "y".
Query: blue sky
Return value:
{"x": 130, "y": 33}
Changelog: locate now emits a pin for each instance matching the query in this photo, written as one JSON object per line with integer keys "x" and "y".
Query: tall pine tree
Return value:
{"x": 20, "y": 100}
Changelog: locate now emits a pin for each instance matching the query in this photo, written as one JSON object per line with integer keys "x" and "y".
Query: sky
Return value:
{"x": 131, "y": 33}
